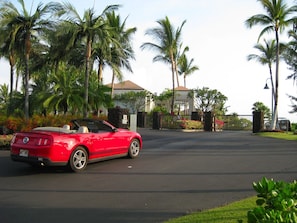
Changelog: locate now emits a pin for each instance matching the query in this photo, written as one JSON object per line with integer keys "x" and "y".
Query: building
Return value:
{"x": 147, "y": 103}
{"x": 183, "y": 102}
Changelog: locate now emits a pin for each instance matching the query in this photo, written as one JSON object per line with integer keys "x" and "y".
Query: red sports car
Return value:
{"x": 86, "y": 141}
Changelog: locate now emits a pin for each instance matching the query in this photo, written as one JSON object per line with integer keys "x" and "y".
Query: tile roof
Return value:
{"x": 126, "y": 85}
{"x": 181, "y": 88}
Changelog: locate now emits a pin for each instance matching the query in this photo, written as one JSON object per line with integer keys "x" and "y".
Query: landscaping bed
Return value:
{"x": 5, "y": 142}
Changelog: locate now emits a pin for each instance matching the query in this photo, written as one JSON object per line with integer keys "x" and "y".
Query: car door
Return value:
{"x": 97, "y": 146}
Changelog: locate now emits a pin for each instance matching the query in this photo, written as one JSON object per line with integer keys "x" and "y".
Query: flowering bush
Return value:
{"x": 5, "y": 141}
{"x": 17, "y": 124}
{"x": 277, "y": 202}
{"x": 190, "y": 124}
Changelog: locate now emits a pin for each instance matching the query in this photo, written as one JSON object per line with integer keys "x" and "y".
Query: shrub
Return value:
{"x": 5, "y": 141}
{"x": 277, "y": 202}
{"x": 190, "y": 124}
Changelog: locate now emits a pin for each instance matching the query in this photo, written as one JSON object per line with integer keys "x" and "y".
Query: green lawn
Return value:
{"x": 235, "y": 212}
{"x": 279, "y": 135}
{"x": 232, "y": 213}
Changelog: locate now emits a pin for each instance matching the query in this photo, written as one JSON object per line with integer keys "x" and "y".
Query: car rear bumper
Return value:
{"x": 36, "y": 160}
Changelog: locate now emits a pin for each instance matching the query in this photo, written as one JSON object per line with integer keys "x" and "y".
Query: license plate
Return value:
{"x": 24, "y": 152}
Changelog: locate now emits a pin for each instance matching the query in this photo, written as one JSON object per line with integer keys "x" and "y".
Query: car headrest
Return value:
{"x": 83, "y": 129}
{"x": 66, "y": 127}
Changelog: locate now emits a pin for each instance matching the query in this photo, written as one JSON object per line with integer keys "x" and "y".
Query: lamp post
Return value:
{"x": 272, "y": 95}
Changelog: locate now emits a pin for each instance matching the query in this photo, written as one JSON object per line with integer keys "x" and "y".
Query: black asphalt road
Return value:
{"x": 177, "y": 173}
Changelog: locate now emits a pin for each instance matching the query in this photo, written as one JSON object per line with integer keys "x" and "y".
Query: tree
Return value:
{"x": 8, "y": 51}
{"x": 267, "y": 57}
{"x": 120, "y": 48}
{"x": 99, "y": 95}
{"x": 209, "y": 100}
{"x": 276, "y": 19}
{"x": 57, "y": 53}
{"x": 290, "y": 55}
{"x": 260, "y": 107}
{"x": 168, "y": 40}
{"x": 291, "y": 59}
{"x": 66, "y": 92}
{"x": 3, "y": 97}
{"x": 186, "y": 67}
{"x": 134, "y": 101}
{"x": 85, "y": 29}
{"x": 24, "y": 26}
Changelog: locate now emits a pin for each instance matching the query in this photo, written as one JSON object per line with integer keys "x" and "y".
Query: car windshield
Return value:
{"x": 93, "y": 125}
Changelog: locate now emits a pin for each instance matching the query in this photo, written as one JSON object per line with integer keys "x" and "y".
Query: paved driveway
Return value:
{"x": 177, "y": 173}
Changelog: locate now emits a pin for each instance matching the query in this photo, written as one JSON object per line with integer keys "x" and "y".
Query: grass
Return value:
{"x": 234, "y": 212}
{"x": 279, "y": 135}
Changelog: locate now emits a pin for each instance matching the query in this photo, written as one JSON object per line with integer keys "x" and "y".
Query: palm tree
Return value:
{"x": 85, "y": 29}
{"x": 99, "y": 95}
{"x": 267, "y": 57}
{"x": 260, "y": 107}
{"x": 186, "y": 67}
{"x": 121, "y": 50}
{"x": 291, "y": 59}
{"x": 9, "y": 53}
{"x": 66, "y": 92}
{"x": 168, "y": 41}
{"x": 4, "y": 99}
{"x": 291, "y": 55}
{"x": 101, "y": 54}
{"x": 24, "y": 26}
{"x": 276, "y": 19}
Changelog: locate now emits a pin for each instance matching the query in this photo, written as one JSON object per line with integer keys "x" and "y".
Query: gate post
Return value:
{"x": 195, "y": 116}
{"x": 156, "y": 120}
{"x": 258, "y": 121}
{"x": 208, "y": 121}
{"x": 141, "y": 119}
{"x": 118, "y": 117}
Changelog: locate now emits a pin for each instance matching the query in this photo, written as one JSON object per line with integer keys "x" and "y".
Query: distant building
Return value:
{"x": 184, "y": 103}
{"x": 128, "y": 86}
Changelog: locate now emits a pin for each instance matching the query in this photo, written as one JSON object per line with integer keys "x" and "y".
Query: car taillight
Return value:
{"x": 43, "y": 142}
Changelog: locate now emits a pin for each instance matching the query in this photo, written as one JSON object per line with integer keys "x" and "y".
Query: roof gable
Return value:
{"x": 181, "y": 88}
{"x": 126, "y": 85}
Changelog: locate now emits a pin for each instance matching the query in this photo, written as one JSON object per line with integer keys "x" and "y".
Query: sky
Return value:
{"x": 218, "y": 41}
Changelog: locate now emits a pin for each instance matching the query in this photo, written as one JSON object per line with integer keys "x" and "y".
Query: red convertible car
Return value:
{"x": 86, "y": 141}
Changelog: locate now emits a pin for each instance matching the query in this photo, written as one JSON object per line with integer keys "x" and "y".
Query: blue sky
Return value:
{"x": 219, "y": 43}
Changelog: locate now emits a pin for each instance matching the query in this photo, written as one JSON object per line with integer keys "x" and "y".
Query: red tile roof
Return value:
{"x": 126, "y": 85}
{"x": 181, "y": 88}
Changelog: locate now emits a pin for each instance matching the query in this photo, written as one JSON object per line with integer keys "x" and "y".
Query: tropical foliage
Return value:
{"x": 278, "y": 17}
{"x": 134, "y": 101}
{"x": 208, "y": 100}
{"x": 167, "y": 43}
{"x": 54, "y": 49}
{"x": 260, "y": 107}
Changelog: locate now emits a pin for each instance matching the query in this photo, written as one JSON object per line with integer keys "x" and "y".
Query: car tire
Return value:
{"x": 78, "y": 159}
{"x": 134, "y": 148}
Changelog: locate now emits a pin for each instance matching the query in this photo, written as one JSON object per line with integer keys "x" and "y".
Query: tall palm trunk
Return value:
{"x": 272, "y": 92}
{"x": 12, "y": 64}
{"x": 173, "y": 84}
{"x": 100, "y": 72}
{"x": 27, "y": 74}
{"x": 275, "y": 112}
{"x": 87, "y": 76}
{"x": 112, "y": 84}
{"x": 176, "y": 73}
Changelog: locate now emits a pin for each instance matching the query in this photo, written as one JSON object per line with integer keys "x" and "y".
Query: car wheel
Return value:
{"x": 134, "y": 148}
{"x": 78, "y": 159}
